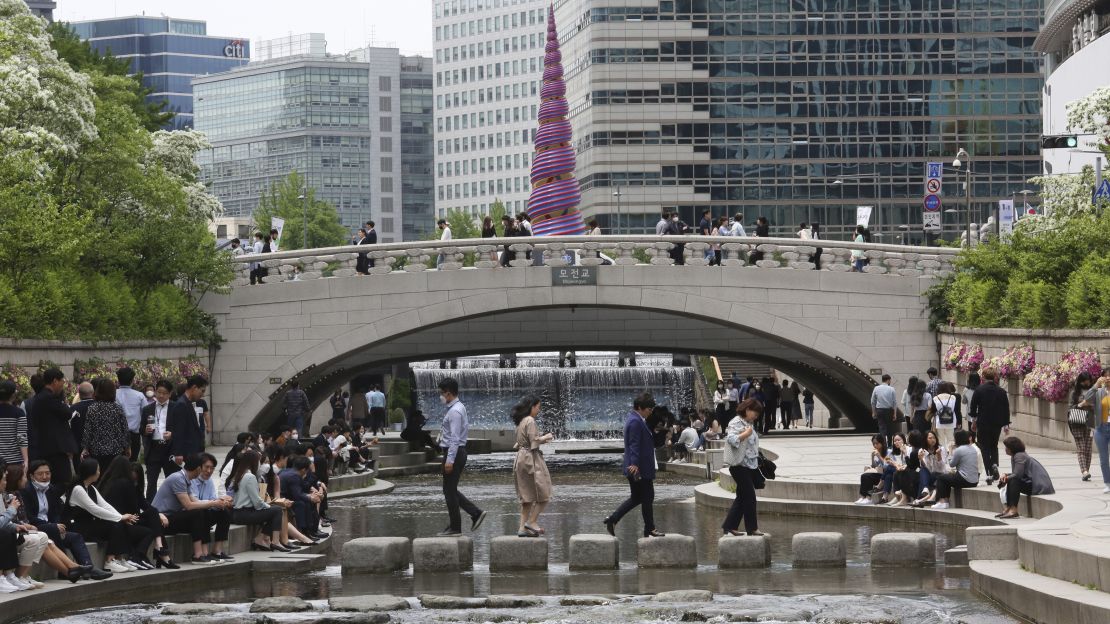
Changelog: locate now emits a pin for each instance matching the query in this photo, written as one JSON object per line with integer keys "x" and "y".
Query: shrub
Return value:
{"x": 1087, "y": 294}
{"x": 976, "y": 302}
{"x": 1033, "y": 304}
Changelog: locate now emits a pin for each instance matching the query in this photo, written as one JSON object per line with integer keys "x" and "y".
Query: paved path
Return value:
{"x": 840, "y": 459}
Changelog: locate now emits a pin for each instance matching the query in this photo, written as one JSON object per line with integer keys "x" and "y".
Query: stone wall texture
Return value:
{"x": 1037, "y": 422}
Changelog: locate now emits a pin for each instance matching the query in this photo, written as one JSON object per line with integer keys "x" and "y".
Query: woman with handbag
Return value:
{"x": 1098, "y": 399}
{"x": 742, "y": 459}
{"x": 1080, "y": 422}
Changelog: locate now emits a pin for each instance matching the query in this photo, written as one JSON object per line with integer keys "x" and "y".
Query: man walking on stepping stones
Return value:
{"x": 639, "y": 467}
{"x": 452, "y": 441}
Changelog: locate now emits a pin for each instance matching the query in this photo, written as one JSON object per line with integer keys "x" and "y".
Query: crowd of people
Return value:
{"x": 943, "y": 450}
{"x": 87, "y": 470}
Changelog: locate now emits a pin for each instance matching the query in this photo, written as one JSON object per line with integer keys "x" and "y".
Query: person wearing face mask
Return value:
{"x": 43, "y": 505}
{"x": 148, "y": 394}
{"x": 677, "y": 228}
{"x": 156, "y": 438}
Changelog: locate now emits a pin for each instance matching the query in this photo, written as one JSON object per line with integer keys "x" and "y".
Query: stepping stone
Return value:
{"x": 369, "y": 603}
{"x": 819, "y": 550}
{"x": 670, "y": 551}
{"x": 436, "y": 554}
{"x": 375, "y": 555}
{"x": 594, "y": 551}
{"x": 903, "y": 550}
{"x": 280, "y": 604}
{"x": 509, "y": 552}
{"x": 744, "y": 551}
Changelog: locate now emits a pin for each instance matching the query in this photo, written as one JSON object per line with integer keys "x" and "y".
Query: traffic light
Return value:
{"x": 1059, "y": 141}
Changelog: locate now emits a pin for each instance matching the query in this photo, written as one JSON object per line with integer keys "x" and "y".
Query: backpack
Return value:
{"x": 945, "y": 415}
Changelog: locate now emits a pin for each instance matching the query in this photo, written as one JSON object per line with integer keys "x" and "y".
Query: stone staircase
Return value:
{"x": 394, "y": 458}
{"x": 744, "y": 368}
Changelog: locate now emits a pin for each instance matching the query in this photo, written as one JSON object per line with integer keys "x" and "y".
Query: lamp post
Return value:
{"x": 304, "y": 206}
{"x": 617, "y": 193}
{"x": 961, "y": 157}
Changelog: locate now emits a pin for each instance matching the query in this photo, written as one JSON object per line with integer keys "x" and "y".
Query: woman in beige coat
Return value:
{"x": 533, "y": 482}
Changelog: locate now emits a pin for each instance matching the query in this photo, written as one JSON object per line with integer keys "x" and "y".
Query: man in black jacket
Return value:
{"x": 156, "y": 437}
{"x": 79, "y": 410}
{"x": 186, "y": 430}
{"x": 990, "y": 411}
{"x": 293, "y": 488}
{"x": 43, "y": 504}
{"x": 371, "y": 239}
{"x": 49, "y": 418}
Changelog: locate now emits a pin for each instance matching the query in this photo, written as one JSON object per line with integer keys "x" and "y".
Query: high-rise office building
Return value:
{"x": 401, "y": 152}
{"x": 1076, "y": 46}
{"x": 352, "y": 125}
{"x": 169, "y": 52}
{"x": 43, "y": 8}
{"x": 488, "y": 67}
{"x": 799, "y": 110}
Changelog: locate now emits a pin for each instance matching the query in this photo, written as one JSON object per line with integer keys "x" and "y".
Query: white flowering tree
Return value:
{"x": 1092, "y": 115}
{"x": 46, "y": 108}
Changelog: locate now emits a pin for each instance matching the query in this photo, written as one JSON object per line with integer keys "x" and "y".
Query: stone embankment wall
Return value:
{"x": 1038, "y": 422}
{"x": 28, "y": 353}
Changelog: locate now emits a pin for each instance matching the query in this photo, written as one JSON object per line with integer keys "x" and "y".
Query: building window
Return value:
{"x": 385, "y": 124}
{"x": 387, "y": 165}
{"x": 386, "y": 144}
{"x": 221, "y": 231}
{"x": 387, "y": 224}
{"x": 387, "y": 184}
{"x": 387, "y": 204}
{"x": 385, "y": 104}
{"x": 385, "y": 83}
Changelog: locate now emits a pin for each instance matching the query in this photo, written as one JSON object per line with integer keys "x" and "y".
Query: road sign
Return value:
{"x": 934, "y": 170}
{"x": 931, "y": 220}
{"x": 932, "y": 185}
{"x": 932, "y": 203}
{"x": 1102, "y": 192}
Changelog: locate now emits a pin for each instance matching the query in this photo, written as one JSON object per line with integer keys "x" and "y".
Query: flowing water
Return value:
{"x": 588, "y": 488}
{"x": 588, "y": 401}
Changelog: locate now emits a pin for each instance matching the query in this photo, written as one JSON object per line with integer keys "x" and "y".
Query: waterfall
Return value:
{"x": 589, "y": 401}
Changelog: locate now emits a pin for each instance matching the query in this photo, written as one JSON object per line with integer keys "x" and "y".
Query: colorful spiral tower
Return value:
{"x": 553, "y": 204}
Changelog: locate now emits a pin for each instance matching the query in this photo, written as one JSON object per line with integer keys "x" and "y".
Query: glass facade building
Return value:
{"x": 799, "y": 110}
{"x": 169, "y": 53}
{"x": 417, "y": 160}
{"x": 304, "y": 114}
{"x": 43, "y": 8}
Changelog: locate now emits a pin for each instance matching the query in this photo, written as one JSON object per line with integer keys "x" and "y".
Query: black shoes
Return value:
{"x": 477, "y": 522}
{"x": 75, "y": 574}
{"x": 279, "y": 548}
{"x": 655, "y": 533}
{"x": 610, "y": 527}
{"x": 448, "y": 532}
{"x": 222, "y": 556}
{"x": 97, "y": 574}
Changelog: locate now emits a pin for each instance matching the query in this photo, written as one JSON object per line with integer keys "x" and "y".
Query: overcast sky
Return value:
{"x": 348, "y": 24}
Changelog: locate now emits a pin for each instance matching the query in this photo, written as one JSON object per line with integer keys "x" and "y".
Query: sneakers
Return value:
{"x": 131, "y": 564}
{"x": 8, "y": 588}
{"x": 478, "y": 521}
{"x": 203, "y": 560}
{"x": 940, "y": 506}
{"x": 1106, "y": 490}
{"x": 11, "y": 579}
{"x": 116, "y": 566}
{"x": 32, "y": 582}
{"x": 864, "y": 500}
{"x": 449, "y": 532}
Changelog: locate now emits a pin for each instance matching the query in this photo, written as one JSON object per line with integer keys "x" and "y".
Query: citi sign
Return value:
{"x": 234, "y": 49}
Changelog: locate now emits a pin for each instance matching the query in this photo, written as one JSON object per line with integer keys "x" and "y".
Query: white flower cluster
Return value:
{"x": 1092, "y": 114}
{"x": 46, "y": 108}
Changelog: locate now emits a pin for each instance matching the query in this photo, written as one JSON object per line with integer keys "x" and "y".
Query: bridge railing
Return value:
{"x": 484, "y": 254}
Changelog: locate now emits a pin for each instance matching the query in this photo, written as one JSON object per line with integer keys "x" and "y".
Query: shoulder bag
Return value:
{"x": 1079, "y": 416}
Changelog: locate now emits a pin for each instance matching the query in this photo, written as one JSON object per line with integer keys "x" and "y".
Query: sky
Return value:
{"x": 347, "y": 24}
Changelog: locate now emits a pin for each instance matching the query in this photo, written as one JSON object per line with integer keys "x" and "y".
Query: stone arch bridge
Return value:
{"x": 831, "y": 329}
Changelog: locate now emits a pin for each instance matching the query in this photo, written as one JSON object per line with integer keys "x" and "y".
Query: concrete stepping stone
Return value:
{"x": 819, "y": 550}
{"x": 670, "y": 551}
{"x": 594, "y": 551}
{"x": 508, "y": 552}
{"x": 903, "y": 550}
{"x": 743, "y": 551}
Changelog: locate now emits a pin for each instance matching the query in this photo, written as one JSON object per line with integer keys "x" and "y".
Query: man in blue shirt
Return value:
{"x": 132, "y": 401}
{"x": 185, "y": 513}
{"x": 203, "y": 489}
{"x": 883, "y": 404}
{"x": 375, "y": 402}
{"x": 638, "y": 467}
{"x": 452, "y": 440}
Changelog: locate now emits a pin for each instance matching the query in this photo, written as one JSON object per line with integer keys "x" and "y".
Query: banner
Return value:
{"x": 277, "y": 223}
{"x": 863, "y": 215}
{"x": 1005, "y": 218}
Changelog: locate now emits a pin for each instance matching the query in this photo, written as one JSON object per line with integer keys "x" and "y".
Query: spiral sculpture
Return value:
{"x": 553, "y": 204}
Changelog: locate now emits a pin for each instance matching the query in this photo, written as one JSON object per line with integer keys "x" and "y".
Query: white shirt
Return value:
{"x": 161, "y": 413}
{"x": 446, "y": 234}
{"x": 527, "y": 226}
{"x": 688, "y": 437}
{"x": 737, "y": 229}
{"x": 805, "y": 234}
{"x": 132, "y": 401}
{"x": 100, "y": 508}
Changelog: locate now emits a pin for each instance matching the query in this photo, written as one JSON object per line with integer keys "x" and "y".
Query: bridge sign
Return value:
{"x": 574, "y": 276}
{"x": 932, "y": 202}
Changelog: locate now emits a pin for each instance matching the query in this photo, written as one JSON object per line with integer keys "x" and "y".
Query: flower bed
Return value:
{"x": 147, "y": 372}
{"x": 1053, "y": 382}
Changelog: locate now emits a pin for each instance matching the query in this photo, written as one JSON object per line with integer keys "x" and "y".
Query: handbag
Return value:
{"x": 766, "y": 467}
{"x": 1078, "y": 416}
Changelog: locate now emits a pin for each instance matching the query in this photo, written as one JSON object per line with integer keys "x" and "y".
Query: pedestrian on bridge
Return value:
{"x": 452, "y": 440}
{"x": 638, "y": 467}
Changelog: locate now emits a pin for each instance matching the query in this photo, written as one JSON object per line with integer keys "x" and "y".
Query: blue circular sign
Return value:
{"x": 932, "y": 203}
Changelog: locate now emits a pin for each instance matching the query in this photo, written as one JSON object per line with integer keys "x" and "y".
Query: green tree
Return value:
{"x": 283, "y": 199}
{"x": 462, "y": 224}
{"x": 82, "y": 57}
{"x": 496, "y": 212}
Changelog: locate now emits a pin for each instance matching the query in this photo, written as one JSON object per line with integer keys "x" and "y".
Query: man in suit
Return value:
{"x": 156, "y": 438}
{"x": 50, "y": 416}
{"x": 371, "y": 239}
{"x": 43, "y": 504}
{"x": 304, "y": 501}
{"x": 638, "y": 467}
{"x": 186, "y": 430}
{"x": 990, "y": 411}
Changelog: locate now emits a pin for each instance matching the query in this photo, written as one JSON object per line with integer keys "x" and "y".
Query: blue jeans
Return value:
{"x": 1102, "y": 442}
{"x": 888, "y": 478}
{"x": 925, "y": 478}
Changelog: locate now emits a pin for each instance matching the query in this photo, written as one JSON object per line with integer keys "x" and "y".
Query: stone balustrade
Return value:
{"x": 587, "y": 251}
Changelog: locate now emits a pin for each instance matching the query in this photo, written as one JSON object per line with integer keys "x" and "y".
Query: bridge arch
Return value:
{"x": 828, "y": 330}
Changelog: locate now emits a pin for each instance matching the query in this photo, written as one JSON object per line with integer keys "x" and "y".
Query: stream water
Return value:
{"x": 588, "y": 488}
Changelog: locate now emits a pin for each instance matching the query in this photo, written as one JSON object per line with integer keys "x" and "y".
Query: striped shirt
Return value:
{"x": 13, "y": 434}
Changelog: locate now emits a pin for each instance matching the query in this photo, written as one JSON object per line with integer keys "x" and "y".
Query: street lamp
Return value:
{"x": 304, "y": 205}
{"x": 617, "y": 193}
{"x": 878, "y": 197}
{"x": 961, "y": 157}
